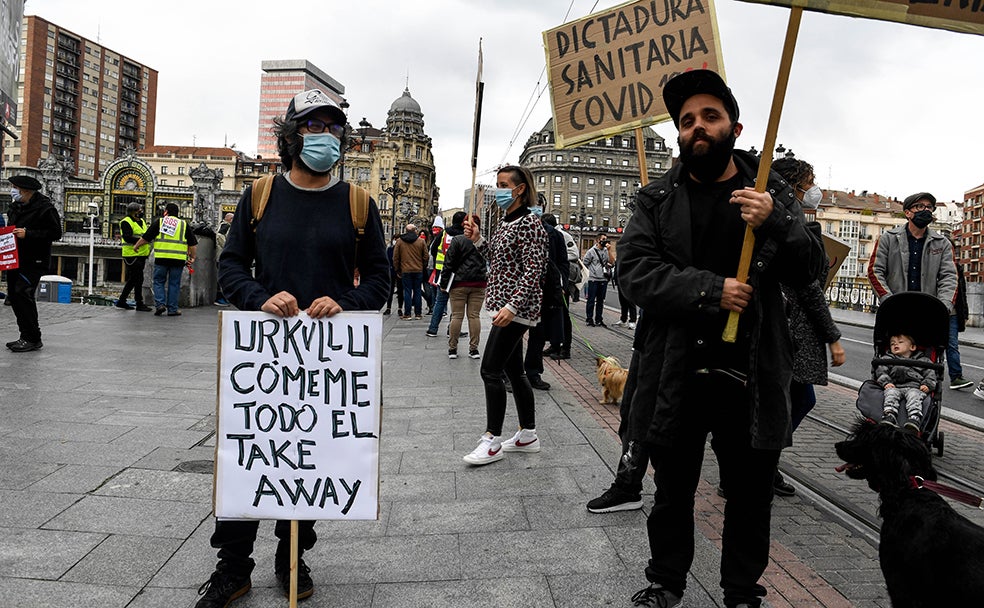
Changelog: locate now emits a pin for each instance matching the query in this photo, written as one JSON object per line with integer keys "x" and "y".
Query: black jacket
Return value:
{"x": 40, "y": 219}
{"x": 655, "y": 257}
{"x": 464, "y": 261}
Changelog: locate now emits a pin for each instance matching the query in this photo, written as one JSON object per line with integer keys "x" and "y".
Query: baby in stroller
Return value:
{"x": 902, "y": 381}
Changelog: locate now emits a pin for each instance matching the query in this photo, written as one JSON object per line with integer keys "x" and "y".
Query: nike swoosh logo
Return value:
{"x": 493, "y": 453}
{"x": 520, "y": 444}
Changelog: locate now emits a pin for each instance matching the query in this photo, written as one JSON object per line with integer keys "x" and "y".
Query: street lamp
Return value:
{"x": 395, "y": 191}
{"x": 93, "y": 214}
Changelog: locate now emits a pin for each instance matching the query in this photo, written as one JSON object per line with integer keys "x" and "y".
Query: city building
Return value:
{"x": 171, "y": 164}
{"x": 280, "y": 81}
{"x": 78, "y": 100}
{"x": 396, "y": 165}
{"x": 972, "y": 235}
{"x": 591, "y": 188}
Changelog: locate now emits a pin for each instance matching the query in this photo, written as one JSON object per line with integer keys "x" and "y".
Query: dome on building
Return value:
{"x": 405, "y": 103}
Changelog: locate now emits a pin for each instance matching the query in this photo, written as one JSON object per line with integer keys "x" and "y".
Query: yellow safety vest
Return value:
{"x": 138, "y": 229}
{"x": 445, "y": 243}
{"x": 170, "y": 243}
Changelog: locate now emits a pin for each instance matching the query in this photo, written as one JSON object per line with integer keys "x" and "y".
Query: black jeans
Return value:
{"x": 234, "y": 539}
{"x": 568, "y": 327}
{"x": 596, "y": 300}
{"x": 719, "y": 406}
{"x": 135, "y": 278}
{"x": 504, "y": 353}
{"x": 634, "y": 462}
{"x": 22, "y": 284}
{"x": 396, "y": 286}
{"x": 628, "y": 308}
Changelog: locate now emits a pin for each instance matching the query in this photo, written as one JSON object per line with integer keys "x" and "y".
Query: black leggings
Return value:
{"x": 504, "y": 353}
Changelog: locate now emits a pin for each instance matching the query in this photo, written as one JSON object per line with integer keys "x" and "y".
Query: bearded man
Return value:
{"x": 678, "y": 261}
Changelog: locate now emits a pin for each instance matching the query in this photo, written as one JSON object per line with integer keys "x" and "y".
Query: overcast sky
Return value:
{"x": 875, "y": 106}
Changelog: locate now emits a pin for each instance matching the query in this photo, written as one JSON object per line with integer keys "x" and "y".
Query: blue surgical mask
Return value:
{"x": 15, "y": 195}
{"x": 537, "y": 211}
{"x": 504, "y": 197}
{"x": 321, "y": 151}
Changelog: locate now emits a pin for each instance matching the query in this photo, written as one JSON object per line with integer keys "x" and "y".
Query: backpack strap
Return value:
{"x": 260, "y": 198}
{"x": 359, "y": 208}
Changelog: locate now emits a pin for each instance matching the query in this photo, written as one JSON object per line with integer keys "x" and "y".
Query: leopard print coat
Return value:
{"x": 517, "y": 255}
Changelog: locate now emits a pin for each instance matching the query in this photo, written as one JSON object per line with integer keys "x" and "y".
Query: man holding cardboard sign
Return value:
{"x": 678, "y": 262}
{"x": 307, "y": 247}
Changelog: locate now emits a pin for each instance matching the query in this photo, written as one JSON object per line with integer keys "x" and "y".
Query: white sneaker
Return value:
{"x": 489, "y": 450}
{"x": 631, "y": 325}
{"x": 979, "y": 391}
{"x": 525, "y": 440}
{"x": 617, "y": 323}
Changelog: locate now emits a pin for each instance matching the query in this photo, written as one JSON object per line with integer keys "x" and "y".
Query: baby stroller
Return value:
{"x": 926, "y": 319}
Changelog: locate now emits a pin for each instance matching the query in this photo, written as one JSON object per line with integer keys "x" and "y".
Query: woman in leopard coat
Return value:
{"x": 517, "y": 255}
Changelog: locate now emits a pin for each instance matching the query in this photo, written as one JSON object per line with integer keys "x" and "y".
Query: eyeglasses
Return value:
{"x": 319, "y": 126}
{"x": 922, "y": 207}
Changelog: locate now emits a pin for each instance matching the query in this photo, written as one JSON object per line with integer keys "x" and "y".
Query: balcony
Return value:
{"x": 69, "y": 43}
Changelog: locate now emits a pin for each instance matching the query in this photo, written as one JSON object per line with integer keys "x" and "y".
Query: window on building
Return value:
{"x": 558, "y": 179}
{"x": 575, "y": 180}
{"x": 591, "y": 181}
{"x": 543, "y": 158}
{"x": 559, "y": 157}
{"x": 163, "y": 169}
{"x": 575, "y": 159}
{"x": 608, "y": 183}
{"x": 574, "y": 199}
{"x": 624, "y": 183}
{"x": 608, "y": 161}
{"x": 590, "y": 200}
{"x": 625, "y": 162}
{"x": 542, "y": 179}
{"x": 181, "y": 170}
{"x": 592, "y": 160}
{"x": 556, "y": 199}
{"x": 181, "y": 182}
{"x": 606, "y": 202}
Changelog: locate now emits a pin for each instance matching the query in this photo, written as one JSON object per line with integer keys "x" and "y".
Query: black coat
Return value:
{"x": 655, "y": 257}
{"x": 40, "y": 218}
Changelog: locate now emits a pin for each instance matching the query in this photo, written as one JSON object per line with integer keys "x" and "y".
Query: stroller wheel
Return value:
{"x": 938, "y": 443}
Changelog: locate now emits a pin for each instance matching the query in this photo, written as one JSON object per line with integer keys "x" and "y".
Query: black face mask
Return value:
{"x": 922, "y": 218}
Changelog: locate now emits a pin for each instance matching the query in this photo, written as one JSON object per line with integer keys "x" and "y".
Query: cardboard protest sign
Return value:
{"x": 8, "y": 249}
{"x": 298, "y": 416}
{"x": 837, "y": 251}
{"x": 965, "y": 16}
{"x": 607, "y": 70}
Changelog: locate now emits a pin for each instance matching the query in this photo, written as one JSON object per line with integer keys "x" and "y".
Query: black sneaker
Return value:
{"x": 474, "y": 354}
{"x": 538, "y": 383}
{"x": 565, "y": 353}
{"x": 305, "y": 586}
{"x": 430, "y": 334}
{"x": 143, "y": 308}
{"x": 160, "y": 310}
{"x": 589, "y": 323}
{"x": 23, "y": 346}
{"x": 222, "y": 588}
{"x": 657, "y": 596}
{"x": 387, "y": 312}
{"x": 452, "y": 353}
{"x": 600, "y": 324}
{"x": 782, "y": 487}
{"x": 615, "y": 499}
{"x": 123, "y": 304}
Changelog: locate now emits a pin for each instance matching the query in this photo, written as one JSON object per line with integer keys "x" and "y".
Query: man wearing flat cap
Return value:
{"x": 914, "y": 257}
{"x": 678, "y": 261}
{"x": 37, "y": 226}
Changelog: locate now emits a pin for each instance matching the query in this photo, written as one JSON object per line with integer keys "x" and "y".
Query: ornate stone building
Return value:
{"x": 396, "y": 165}
{"x": 591, "y": 188}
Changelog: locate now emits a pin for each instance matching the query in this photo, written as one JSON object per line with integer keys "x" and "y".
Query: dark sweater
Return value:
{"x": 304, "y": 245}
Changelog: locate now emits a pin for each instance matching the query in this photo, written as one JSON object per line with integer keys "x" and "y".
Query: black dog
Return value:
{"x": 930, "y": 555}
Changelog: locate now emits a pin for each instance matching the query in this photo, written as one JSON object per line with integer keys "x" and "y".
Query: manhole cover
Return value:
{"x": 195, "y": 466}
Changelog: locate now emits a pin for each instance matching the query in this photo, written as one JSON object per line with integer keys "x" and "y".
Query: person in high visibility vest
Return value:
{"x": 132, "y": 227}
{"x": 174, "y": 247}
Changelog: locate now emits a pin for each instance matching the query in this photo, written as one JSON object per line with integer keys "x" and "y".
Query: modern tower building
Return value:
{"x": 281, "y": 80}
{"x": 78, "y": 100}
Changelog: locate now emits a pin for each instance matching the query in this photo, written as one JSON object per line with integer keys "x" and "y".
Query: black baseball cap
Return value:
{"x": 911, "y": 200}
{"x": 685, "y": 85}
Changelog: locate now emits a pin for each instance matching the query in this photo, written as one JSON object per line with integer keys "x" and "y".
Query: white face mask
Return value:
{"x": 812, "y": 197}
{"x": 15, "y": 194}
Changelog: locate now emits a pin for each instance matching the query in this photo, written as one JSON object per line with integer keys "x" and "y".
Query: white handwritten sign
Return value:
{"x": 298, "y": 416}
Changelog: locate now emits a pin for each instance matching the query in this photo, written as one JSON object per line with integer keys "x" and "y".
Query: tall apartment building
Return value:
{"x": 281, "y": 80}
{"x": 79, "y": 100}
{"x": 972, "y": 235}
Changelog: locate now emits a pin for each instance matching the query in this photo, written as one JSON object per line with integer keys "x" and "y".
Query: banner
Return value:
{"x": 607, "y": 70}
{"x": 8, "y": 249}
{"x": 837, "y": 251}
{"x": 298, "y": 416}
{"x": 966, "y": 16}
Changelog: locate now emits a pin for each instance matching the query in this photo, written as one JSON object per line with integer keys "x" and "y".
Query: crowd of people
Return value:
{"x": 676, "y": 274}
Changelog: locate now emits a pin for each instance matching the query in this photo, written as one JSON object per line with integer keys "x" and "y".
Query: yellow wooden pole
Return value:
{"x": 641, "y": 152}
{"x": 765, "y": 164}
{"x": 293, "y": 563}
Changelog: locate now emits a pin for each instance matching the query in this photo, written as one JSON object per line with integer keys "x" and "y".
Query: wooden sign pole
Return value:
{"x": 641, "y": 152}
{"x": 765, "y": 164}
{"x": 293, "y": 563}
